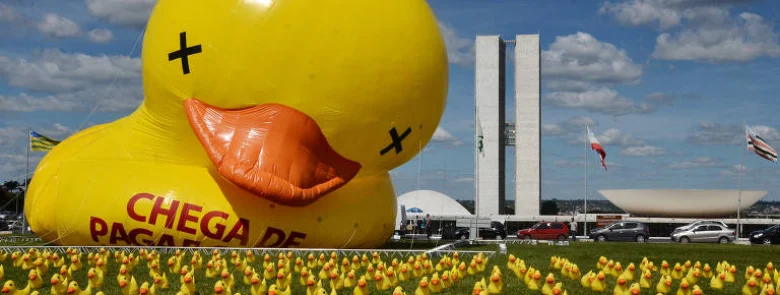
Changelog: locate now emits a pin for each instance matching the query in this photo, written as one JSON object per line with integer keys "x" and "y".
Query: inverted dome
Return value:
{"x": 431, "y": 202}
{"x": 681, "y": 202}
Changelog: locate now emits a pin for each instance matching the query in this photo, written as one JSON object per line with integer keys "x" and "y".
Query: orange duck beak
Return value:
{"x": 274, "y": 151}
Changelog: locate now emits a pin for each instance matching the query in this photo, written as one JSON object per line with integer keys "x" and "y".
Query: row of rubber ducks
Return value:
{"x": 277, "y": 277}
{"x": 384, "y": 275}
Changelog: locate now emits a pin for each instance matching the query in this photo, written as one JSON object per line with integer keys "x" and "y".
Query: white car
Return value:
{"x": 697, "y": 223}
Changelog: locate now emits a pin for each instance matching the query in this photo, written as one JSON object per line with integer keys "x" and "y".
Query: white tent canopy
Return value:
{"x": 429, "y": 202}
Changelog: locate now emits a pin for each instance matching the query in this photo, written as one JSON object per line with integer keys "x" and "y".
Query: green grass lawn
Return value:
{"x": 585, "y": 255}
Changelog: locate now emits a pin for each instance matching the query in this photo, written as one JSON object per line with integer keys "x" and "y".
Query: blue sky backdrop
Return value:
{"x": 665, "y": 85}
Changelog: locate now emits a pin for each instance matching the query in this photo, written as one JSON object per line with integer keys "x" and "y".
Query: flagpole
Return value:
{"x": 26, "y": 177}
{"x": 739, "y": 193}
{"x": 475, "y": 227}
{"x": 585, "y": 227}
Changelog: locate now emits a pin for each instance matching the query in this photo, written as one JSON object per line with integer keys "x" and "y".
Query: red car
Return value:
{"x": 545, "y": 231}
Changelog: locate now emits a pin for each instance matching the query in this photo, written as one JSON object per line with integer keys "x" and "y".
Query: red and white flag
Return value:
{"x": 757, "y": 145}
{"x": 596, "y": 146}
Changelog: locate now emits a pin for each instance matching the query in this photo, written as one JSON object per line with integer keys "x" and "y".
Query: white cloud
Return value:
{"x": 567, "y": 85}
{"x": 766, "y": 132}
{"x": 660, "y": 98}
{"x": 666, "y": 14}
{"x": 643, "y": 151}
{"x": 581, "y": 72}
{"x": 13, "y": 165}
{"x": 709, "y": 133}
{"x": 714, "y": 133}
{"x": 460, "y": 51}
{"x": 614, "y": 136}
{"x": 735, "y": 170}
{"x": 611, "y": 137}
{"x": 58, "y": 26}
{"x": 598, "y": 100}
{"x": 7, "y": 14}
{"x": 575, "y": 124}
{"x": 467, "y": 179}
{"x": 117, "y": 98}
{"x": 700, "y": 162}
{"x": 708, "y": 31}
{"x": 100, "y": 36}
{"x": 442, "y": 136}
{"x": 133, "y": 13}
{"x": 582, "y": 57}
{"x": 747, "y": 38}
{"x": 55, "y": 71}
{"x": 579, "y": 122}
{"x": 575, "y": 163}
{"x": 26, "y": 103}
{"x": 9, "y": 135}
{"x": 553, "y": 129}
{"x": 57, "y": 130}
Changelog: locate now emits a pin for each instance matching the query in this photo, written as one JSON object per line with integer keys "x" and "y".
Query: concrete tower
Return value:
{"x": 528, "y": 114}
{"x": 490, "y": 92}
{"x": 524, "y": 134}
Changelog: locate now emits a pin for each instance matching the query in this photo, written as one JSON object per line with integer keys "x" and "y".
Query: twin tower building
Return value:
{"x": 524, "y": 134}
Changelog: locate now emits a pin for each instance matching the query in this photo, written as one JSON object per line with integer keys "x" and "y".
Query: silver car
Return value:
{"x": 706, "y": 233}
{"x": 697, "y": 223}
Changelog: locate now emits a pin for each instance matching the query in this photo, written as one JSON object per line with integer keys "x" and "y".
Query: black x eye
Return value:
{"x": 396, "y": 141}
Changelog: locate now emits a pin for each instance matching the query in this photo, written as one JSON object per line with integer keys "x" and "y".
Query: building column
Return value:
{"x": 528, "y": 122}
{"x": 490, "y": 95}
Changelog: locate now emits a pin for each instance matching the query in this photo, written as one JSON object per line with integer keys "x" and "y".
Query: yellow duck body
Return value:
{"x": 250, "y": 61}
{"x": 549, "y": 283}
{"x": 435, "y": 285}
{"x": 750, "y": 287}
{"x": 382, "y": 282}
{"x": 664, "y": 284}
{"x": 35, "y": 279}
{"x": 586, "y": 279}
{"x": 423, "y": 288}
{"x": 693, "y": 276}
{"x": 731, "y": 274}
{"x": 74, "y": 289}
{"x": 768, "y": 290}
{"x": 621, "y": 286}
{"x": 147, "y": 289}
{"x": 706, "y": 271}
{"x": 677, "y": 272}
{"x": 635, "y": 289}
{"x": 94, "y": 279}
{"x": 599, "y": 284}
{"x": 716, "y": 282}
{"x": 685, "y": 288}
{"x": 646, "y": 281}
{"x": 351, "y": 279}
{"x": 59, "y": 285}
{"x": 258, "y": 287}
{"x": 362, "y": 287}
{"x": 535, "y": 282}
{"x": 392, "y": 276}
{"x": 9, "y": 287}
{"x": 496, "y": 285}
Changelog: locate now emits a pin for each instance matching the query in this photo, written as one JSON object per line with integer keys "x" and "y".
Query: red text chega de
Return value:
{"x": 186, "y": 219}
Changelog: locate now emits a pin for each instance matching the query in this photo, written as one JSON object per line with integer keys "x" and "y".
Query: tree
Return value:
{"x": 549, "y": 208}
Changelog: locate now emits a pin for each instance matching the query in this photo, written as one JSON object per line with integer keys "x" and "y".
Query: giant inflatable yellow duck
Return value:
{"x": 265, "y": 123}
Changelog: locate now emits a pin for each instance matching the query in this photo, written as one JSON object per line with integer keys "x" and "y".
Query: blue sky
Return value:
{"x": 664, "y": 84}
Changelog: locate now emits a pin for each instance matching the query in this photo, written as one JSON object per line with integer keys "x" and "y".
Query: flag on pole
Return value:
{"x": 480, "y": 136}
{"x": 41, "y": 143}
{"x": 596, "y": 146}
{"x": 757, "y": 145}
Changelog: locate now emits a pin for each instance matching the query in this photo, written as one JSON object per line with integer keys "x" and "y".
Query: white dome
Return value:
{"x": 431, "y": 202}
